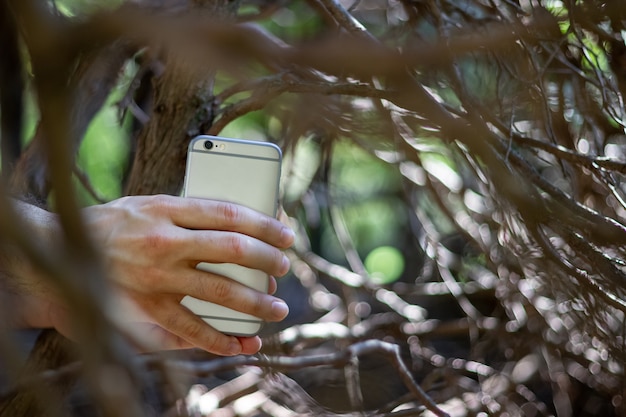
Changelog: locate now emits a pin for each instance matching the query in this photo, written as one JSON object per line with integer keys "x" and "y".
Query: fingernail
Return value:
{"x": 285, "y": 265}
{"x": 287, "y": 234}
{"x": 279, "y": 310}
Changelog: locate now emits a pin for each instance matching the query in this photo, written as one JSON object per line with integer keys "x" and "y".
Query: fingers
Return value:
{"x": 229, "y": 293}
{"x": 183, "y": 328}
{"x": 159, "y": 338}
{"x": 250, "y": 345}
{"x": 200, "y": 214}
{"x": 227, "y": 247}
{"x": 272, "y": 285}
{"x": 159, "y": 232}
{"x": 151, "y": 337}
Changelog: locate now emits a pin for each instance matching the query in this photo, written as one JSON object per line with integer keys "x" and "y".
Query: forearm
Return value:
{"x": 25, "y": 289}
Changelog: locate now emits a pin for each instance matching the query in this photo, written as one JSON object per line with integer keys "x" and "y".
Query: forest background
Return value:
{"x": 454, "y": 169}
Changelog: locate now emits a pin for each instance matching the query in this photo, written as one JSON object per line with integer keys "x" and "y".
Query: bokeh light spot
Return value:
{"x": 385, "y": 264}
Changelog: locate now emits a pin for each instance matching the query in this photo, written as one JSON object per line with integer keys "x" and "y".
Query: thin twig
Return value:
{"x": 341, "y": 358}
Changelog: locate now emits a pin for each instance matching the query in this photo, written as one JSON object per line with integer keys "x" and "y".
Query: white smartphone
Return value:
{"x": 242, "y": 172}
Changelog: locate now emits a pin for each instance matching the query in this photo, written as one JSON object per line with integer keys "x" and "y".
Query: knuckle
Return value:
{"x": 265, "y": 225}
{"x": 170, "y": 321}
{"x": 257, "y": 305}
{"x": 222, "y": 289}
{"x": 230, "y": 213}
{"x": 122, "y": 201}
{"x": 157, "y": 241}
{"x": 237, "y": 246}
{"x": 160, "y": 203}
{"x": 191, "y": 330}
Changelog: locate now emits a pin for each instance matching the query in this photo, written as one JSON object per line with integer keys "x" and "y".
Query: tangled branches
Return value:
{"x": 497, "y": 130}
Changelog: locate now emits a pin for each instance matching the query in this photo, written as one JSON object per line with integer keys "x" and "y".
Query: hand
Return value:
{"x": 152, "y": 245}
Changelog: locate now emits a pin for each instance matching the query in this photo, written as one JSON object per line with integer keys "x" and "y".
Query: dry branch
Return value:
{"x": 508, "y": 94}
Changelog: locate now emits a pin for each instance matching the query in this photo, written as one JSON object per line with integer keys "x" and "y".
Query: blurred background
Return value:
{"x": 454, "y": 170}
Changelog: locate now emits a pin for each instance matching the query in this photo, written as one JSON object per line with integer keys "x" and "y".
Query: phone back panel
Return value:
{"x": 241, "y": 172}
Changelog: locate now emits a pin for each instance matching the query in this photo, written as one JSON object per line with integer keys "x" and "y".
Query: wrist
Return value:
{"x": 26, "y": 291}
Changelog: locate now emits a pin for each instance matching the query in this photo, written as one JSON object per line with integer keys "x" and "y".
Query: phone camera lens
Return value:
{"x": 208, "y": 144}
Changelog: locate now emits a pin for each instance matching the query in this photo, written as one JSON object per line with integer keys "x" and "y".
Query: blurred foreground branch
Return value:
{"x": 486, "y": 137}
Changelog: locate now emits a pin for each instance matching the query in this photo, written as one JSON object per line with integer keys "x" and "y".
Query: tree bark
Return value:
{"x": 183, "y": 104}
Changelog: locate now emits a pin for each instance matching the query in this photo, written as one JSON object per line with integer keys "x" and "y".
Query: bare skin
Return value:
{"x": 151, "y": 245}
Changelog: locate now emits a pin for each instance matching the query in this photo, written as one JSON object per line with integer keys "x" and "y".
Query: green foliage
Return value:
{"x": 365, "y": 190}
{"x": 81, "y": 7}
{"x": 30, "y": 115}
{"x": 103, "y": 154}
{"x": 298, "y": 21}
{"x": 251, "y": 126}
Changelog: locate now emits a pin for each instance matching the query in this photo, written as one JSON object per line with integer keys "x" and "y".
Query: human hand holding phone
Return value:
{"x": 153, "y": 244}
